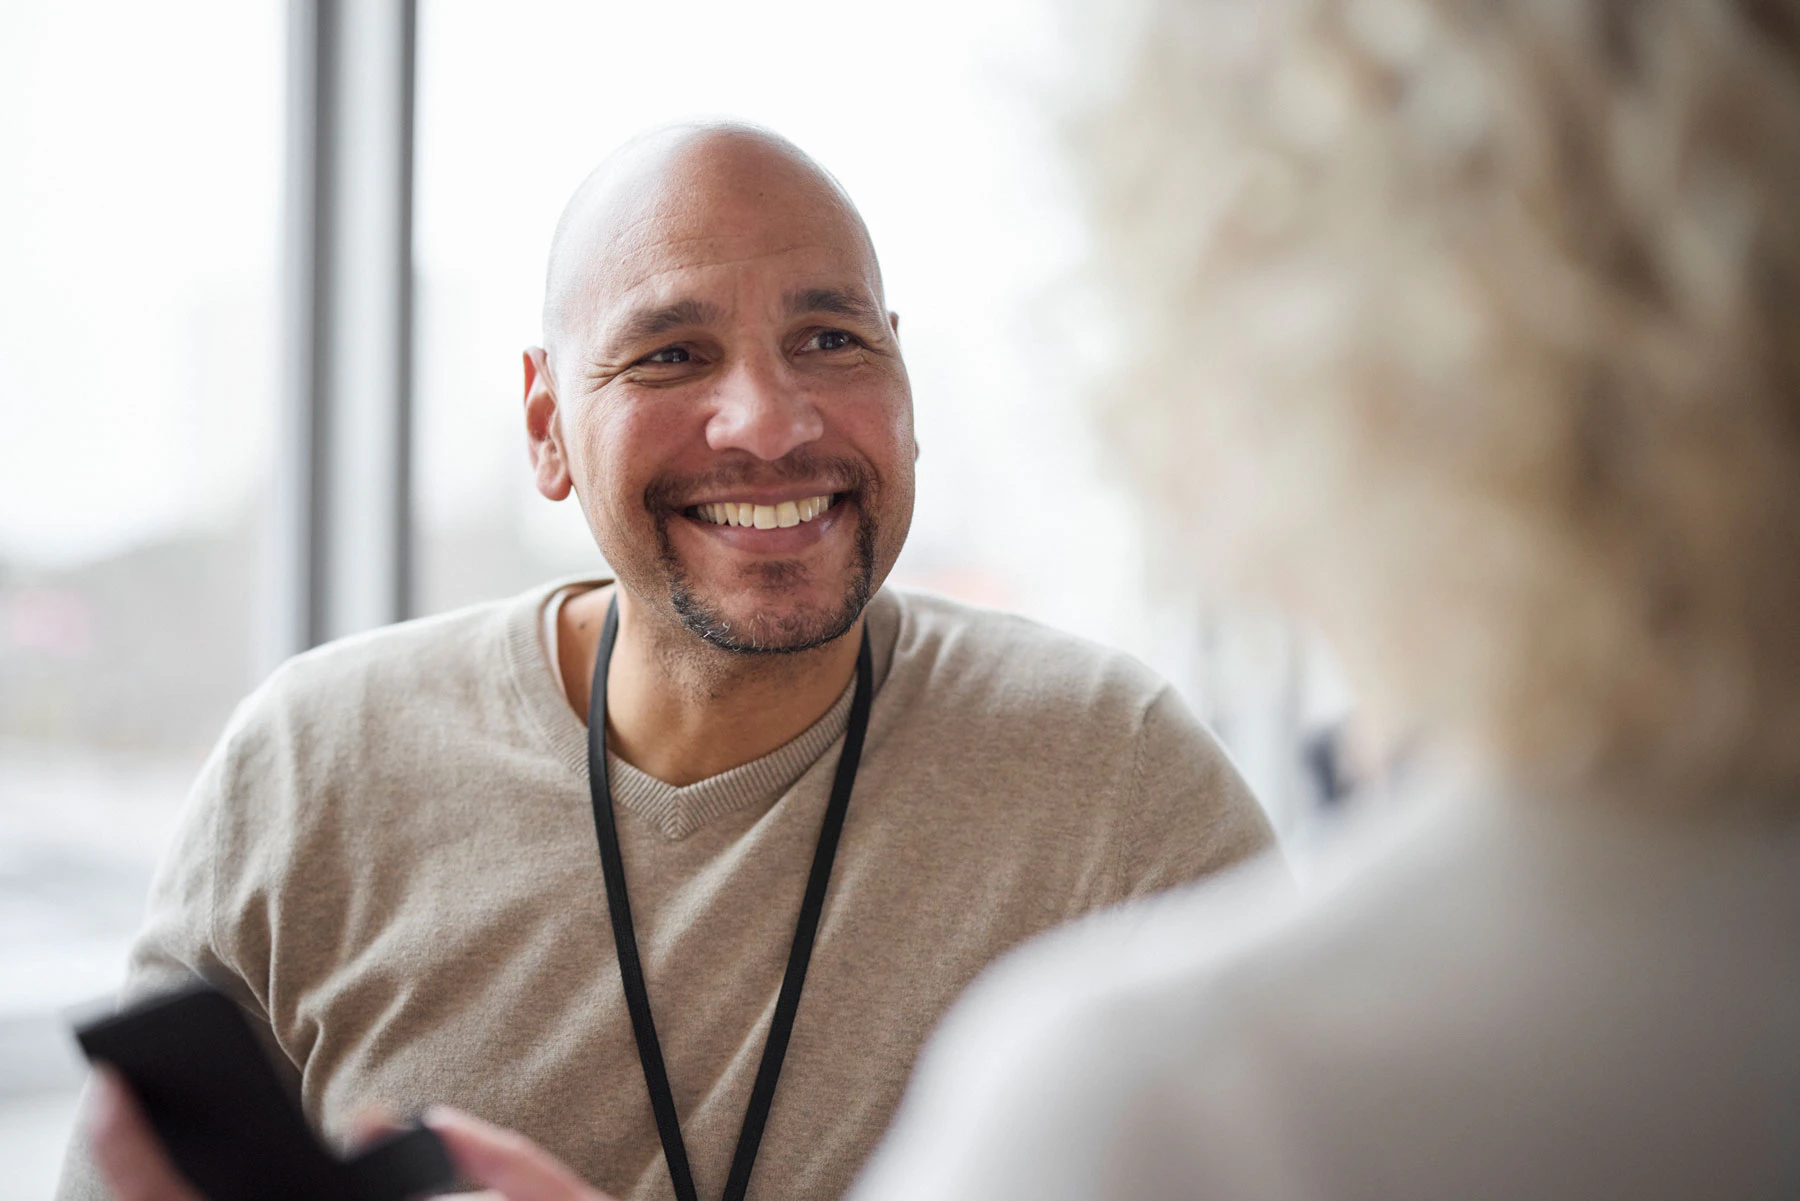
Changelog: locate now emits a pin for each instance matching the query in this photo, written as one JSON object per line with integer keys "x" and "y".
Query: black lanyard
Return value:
{"x": 637, "y": 999}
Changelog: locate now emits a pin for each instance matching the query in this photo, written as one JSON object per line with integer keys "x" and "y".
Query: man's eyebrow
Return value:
{"x": 641, "y": 325}
{"x": 833, "y": 300}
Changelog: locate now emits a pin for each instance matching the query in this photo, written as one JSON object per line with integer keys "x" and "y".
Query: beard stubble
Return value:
{"x": 790, "y": 633}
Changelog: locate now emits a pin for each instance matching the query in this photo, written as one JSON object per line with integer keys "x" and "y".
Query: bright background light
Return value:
{"x": 139, "y": 230}
{"x": 139, "y": 235}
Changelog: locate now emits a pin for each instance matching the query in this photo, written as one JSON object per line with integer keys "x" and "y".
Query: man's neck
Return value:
{"x": 681, "y": 710}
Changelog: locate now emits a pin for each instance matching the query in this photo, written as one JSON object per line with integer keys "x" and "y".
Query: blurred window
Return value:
{"x": 139, "y": 231}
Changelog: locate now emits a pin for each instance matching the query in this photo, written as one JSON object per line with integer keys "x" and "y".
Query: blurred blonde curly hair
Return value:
{"x": 1473, "y": 327}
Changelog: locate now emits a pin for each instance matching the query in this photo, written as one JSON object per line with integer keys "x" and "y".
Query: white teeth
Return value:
{"x": 784, "y": 515}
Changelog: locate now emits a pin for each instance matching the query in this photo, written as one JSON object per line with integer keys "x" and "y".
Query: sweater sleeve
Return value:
{"x": 186, "y": 935}
{"x": 1191, "y": 813}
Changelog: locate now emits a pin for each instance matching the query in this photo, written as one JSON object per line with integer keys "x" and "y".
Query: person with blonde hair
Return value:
{"x": 1470, "y": 331}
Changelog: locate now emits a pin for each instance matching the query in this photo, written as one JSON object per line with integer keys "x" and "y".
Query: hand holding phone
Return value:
{"x": 214, "y": 1101}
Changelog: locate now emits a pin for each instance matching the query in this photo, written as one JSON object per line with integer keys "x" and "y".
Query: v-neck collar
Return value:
{"x": 675, "y": 812}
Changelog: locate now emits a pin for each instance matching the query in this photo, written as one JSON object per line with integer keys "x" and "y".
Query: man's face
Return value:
{"x": 735, "y": 414}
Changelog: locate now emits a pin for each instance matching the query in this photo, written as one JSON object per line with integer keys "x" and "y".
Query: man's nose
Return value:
{"x": 763, "y": 409}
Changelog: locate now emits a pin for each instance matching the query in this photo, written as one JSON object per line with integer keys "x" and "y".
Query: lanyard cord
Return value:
{"x": 631, "y": 970}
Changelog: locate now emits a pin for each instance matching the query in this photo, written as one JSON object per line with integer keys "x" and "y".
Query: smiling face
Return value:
{"x": 723, "y": 390}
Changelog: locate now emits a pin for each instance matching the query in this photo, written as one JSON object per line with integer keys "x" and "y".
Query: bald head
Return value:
{"x": 717, "y": 346}
{"x": 682, "y": 195}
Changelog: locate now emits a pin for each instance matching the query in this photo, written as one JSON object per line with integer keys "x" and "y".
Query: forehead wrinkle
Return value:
{"x": 846, "y": 300}
{"x": 832, "y": 300}
{"x": 651, "y": 320}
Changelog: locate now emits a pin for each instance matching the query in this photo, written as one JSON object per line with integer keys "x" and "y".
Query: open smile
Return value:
{"x": 781, "y": 515}
{"x": 772, "y": 524}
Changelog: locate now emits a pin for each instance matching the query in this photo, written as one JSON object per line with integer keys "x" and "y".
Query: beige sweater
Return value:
{"x": 390, "y": 859}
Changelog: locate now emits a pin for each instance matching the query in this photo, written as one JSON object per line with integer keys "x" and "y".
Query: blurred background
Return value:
{"x": 173, "y": 507}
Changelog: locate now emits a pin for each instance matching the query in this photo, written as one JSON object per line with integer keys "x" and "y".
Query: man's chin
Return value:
{"x": 782, "y": 626}
{"x": 773, "y": 606}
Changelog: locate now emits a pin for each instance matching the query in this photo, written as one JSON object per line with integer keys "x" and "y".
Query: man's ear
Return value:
{"x": 543, "y": 432}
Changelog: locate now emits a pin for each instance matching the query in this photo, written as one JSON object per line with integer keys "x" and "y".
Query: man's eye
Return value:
{"x": 669, "y": 354}
{"x": 831, "y": 339}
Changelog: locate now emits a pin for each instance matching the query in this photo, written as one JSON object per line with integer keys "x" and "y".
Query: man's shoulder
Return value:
{"x": 410, "y": 668}
{"x": 409, "y": 649}
{"x": 960, "y": 644}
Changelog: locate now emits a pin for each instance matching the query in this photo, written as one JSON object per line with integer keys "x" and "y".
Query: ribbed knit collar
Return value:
{"x": 675, "y": 812}
{"x": 678, "y": 812}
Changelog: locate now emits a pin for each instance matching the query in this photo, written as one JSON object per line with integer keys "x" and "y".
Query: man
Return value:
{"x": 391, "y": 859}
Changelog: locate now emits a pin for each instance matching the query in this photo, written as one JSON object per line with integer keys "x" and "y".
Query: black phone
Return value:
{"x": 213, "y": 1098}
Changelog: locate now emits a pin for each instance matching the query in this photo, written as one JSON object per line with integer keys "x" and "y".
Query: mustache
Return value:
{"x": 671, "y": 491}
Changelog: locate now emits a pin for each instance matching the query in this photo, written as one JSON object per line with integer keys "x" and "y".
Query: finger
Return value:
{"x": 126, "y": 1150}
{"x": 506, "y": 1161}
{"x": 371, "y": 1124}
